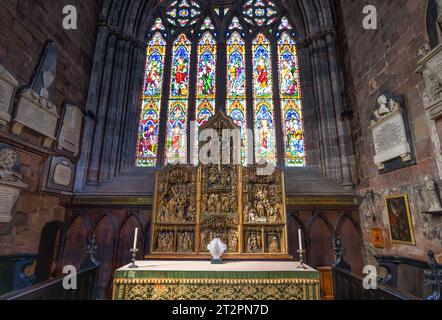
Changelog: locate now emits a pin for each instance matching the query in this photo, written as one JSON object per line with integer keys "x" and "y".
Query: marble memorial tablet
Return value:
{"x": 8, "y": 86}
{"x": 389, "y": 133}
{"x": 37, "y": 114}
{"x": 59, "y": 173}
{"x": 8, "y": 197}
{"x": 62, "y": 175}
{"x": 70, "y": 131}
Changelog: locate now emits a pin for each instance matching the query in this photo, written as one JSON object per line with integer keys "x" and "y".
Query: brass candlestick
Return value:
{"x": 301, "y": 258}
{"x": 134, "y": 259}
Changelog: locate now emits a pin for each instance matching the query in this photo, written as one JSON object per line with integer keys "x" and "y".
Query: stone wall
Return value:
{"x": 383, "y": 60}
{"x": 25, "y": 26}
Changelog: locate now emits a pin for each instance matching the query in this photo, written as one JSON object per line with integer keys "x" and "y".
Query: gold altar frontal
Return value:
{"x": 199, "y": 280}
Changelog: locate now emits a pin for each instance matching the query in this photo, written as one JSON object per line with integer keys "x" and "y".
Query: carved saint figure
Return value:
{"x": 274, "y": 245}
{"x": 433, "y": 196}
{"x": 233, "y": 241}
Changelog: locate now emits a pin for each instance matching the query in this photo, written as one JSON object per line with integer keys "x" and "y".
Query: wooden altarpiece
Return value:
{"x": 240, "y": 205}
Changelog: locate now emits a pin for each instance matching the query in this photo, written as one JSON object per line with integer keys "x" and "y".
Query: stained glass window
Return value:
{"x": 236, "y": 86}
{"x": 147, "y": 150}
{"x": 207, "y": 25}
{"x": 197, "y": 20}
{"x": 260, "y": 12}
{"x": 176, "y": 142}
{"x": 158, "y": 25}
{"x": 285, "y": 25}
{"x": 206, "y": 83}
{"x": 291, "y": 106}
{"x": 235, "y": 24}
{"x": 183, "y": 13}
{"x": 265, "y": 147}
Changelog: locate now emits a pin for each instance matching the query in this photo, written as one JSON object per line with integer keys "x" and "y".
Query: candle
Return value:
{"x": 300, "y": 239}
{"x": 135, "y": 238}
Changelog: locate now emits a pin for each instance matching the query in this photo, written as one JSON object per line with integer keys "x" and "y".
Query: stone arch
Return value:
{"x": 120, "y": 54}
{"x": 292, "y": 233}
{"x": 347, "y": 228}
{"x": 319, "y": 240}
{"x": 125, "y": 239}
{"x": 75, "y": 238}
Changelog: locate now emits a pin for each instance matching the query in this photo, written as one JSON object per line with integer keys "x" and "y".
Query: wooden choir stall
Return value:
{"x": 242, "y": 206}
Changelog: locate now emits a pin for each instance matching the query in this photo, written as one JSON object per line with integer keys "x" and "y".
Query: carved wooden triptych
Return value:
{"x": 239, "y": 205}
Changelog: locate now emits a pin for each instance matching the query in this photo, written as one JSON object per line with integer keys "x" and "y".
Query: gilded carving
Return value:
{"x": 194, "y": 205}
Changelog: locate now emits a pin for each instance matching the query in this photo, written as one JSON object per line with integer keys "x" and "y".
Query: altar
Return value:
{"x": 200, "y": 280}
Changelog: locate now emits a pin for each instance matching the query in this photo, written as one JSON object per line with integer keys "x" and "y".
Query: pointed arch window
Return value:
{"x": 206, "y": 82}
{"x": 253, "y": 76}
{"x": 176, "y": 141}
{"x": 291, "y": 105}
{"x": 147, "y": 151}
{"x": 236, "y": 84}
{"x": 264, "y": 117}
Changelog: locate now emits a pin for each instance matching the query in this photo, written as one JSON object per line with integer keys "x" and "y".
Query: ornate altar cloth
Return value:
{"x": 199, "y": 280}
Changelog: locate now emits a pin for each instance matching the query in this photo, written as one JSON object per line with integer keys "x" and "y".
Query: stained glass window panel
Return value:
{"x": 236, "y": 86}
{"x": 207, "y": 25}
{"x": 158, "y": 25}
{"x": 265, "y": 131}
{"x": 147, "y": 147}
{"x": 291, "y": 102}
{"x": 235, "y": 24}
{"x": 265, "y": 147}
{"x": 285, "y": 25}
{"x": 206, "y": 83}
{"x": 176, "y": 143}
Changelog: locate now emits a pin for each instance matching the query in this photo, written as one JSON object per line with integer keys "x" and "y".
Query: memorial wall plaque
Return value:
{"x": 8, "y": 198}
{"x": 70, "y": 130}
{"x": 11, "y": 182}
{"x": 36, "y": 113}
{"x": 391, "y": 140}
{"x": 430, "y": 66}
{"x": 59, "y": 175}
{"x": 8, "y": 87}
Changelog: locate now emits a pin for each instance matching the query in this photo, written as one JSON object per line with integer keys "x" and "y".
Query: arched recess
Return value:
{"x": 105, "y": 231}
{"x": 49, "y": 251}
{"x": 293, "y": 225}
{"x": 349, "y": 230}
{"x": 147, "y": 236}
{"x": 320, "y": 240}
{"x": 75, "y": 240}
{"x": 108, "y": 157}
{"x": 126, "y": 234}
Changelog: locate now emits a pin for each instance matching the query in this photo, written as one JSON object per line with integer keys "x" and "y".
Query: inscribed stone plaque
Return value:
{"x": 390, "y": 139}
{"x": 62, "y": 175}
{"x": 59, "y": 175}
{"x": 70, "y": 132}
{"x": 390, "y": 136}
{"x": 8, "y": 86}
{"x": 8, "y": 197}
{"x": 37, "y": 114}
